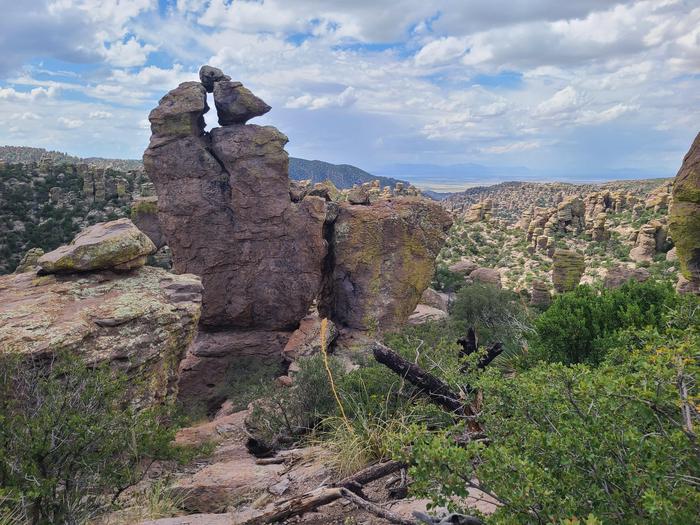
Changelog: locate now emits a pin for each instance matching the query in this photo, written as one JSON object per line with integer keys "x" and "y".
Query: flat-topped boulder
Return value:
{"x": 115, "y": 245}
{"x": 140, "y": 322}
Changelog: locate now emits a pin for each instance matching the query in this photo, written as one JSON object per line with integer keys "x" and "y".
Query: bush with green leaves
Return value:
{"x": 617, "y": 442}
{"x": 69, "y": 442}
{"x": 581, "y": 325}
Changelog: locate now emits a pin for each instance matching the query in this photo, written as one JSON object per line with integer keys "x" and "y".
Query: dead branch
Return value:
{"x": 375, "y": 509}
{"x": 437, "y": 390}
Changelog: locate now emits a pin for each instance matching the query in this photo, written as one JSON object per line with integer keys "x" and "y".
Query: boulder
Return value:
{"x": 305, "y": 341}
{"x": 114, "y": 245}
{"x": 567, "y": 268}
{"x": 487, "y": 276}
{"x": 144, "y": 214}
{"x": 619, "y": 275}
{"x": 439, "y": 300}
{"x": 424, "y": 313}
{"x": 29, "y": 261}
{"x": 684, "y": 216}
{"x": 651, "y": 239}
{"x": 236, "y": 104}
{"x": 180, "y": 113}
{"x": 140, "y": 322}
{"x": 209, "y": 75}
{"x": 463, "y": 267}
{"x": 358, "y": 195}
{"x": 383, "y": 259}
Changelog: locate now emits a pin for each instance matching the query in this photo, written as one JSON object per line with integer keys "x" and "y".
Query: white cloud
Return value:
{"x": 127, "y": 54}
{"x": 512, "y": 147}
{"x": 561, "y": 103}
{"x": 100, "y": 115}
{"x": 70, "y": 123}
{"x": 441, "y": 51}
{"x": 347, "y": 98}
{"x": 27, "y": 96}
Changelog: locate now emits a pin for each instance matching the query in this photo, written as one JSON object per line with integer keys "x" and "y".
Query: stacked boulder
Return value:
{"x": 651, "y": 239}
{"x": 684, "y": 219}
{"x": 266, "y": 248}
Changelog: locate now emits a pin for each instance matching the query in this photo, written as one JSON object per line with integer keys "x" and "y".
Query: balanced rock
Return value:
{"x": 226, "y": 213}
{"x": 140, "y": 323}
{"x": 651, "y": 239}
{"x": 567, "y": 268}
{"x": 208, "y": 75}
{"x": 114, "y": 245}
{"x": 384, "y": 258}
{"x": 358, "y": 195}
{"x": 236, "y": 104}
{"x": 684, "y": 217}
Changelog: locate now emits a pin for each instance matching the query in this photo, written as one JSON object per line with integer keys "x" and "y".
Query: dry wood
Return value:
{"x": 436, "y": 389}
{"x": 375, "y": 509}
{"x": 311, "y": 500}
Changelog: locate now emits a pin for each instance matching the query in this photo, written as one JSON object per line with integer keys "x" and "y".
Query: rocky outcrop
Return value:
{"x": 619, "y": 275}
{"x": 224, "y": 207}
{"x": 439, "y": 300}
{"x": 463, "y": 267}
{"x": 140, "y": 322}
{"x": 383, "y": 258}
{"x": 306, "y": 340}
{"x": 567, "y": 268}
{"x": 684, "y": 217}
{"x": 424, "y": 313}
{"x": 481, "y": 211}
{"x": 116, "y": 245}
{"x": 651, "y": 239}
{"x": 539, "y": 295}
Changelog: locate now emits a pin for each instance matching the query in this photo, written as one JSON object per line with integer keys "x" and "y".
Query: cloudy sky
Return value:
{"x": 569, "y": 89}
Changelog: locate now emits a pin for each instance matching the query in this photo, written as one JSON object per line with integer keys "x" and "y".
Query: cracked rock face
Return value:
{"x": 224, "y": 208}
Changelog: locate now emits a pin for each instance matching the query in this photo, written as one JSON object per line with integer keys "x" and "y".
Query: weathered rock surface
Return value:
{"x": 208, "y": 75}
{"x": 227, "y": 215}
{"x": 383, "y": 259}
{"x": 306, "y": 340}
{"x": 619, "y": 275}
{"x": 439, "y": 300}
{"x": 424, "y": 313}
{"x": 29, "y": 261}
{"x": 567, "y": 269}
{"x": 179, "y": 114}
{"x": 144, "y": 215}
{"x": 684, "y": 217}
{"x": 463, "y": 267}
{"x": 141, "y": 322}
{"x": 213, "y": 357}
{"x": 115, "y": 245}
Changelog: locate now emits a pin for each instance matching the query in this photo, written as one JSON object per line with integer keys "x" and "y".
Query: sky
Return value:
{"x": 452, "y": 92}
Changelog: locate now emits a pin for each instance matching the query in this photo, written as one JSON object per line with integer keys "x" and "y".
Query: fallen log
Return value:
{"x": 437, "y": 390}
{"x": 313, "y": 499}
{"x": 375, "y": 509}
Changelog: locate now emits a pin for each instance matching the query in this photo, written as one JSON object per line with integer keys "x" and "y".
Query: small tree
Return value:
{"x": 69, "y": 441}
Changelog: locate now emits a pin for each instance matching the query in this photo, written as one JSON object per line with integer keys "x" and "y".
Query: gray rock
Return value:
{"x": 236, "y": 104}
{"x": 209, "y": 75}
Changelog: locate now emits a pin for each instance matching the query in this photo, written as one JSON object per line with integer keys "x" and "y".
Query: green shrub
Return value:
{"x": 614, "y": 441}
{"x": 581, "y": 325}
{"x": 68, "y": 441}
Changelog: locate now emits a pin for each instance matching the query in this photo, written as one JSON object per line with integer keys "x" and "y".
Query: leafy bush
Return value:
{"x": 447, "y": 281}
{"x": 67, "y": 440}
{"x": 582, "y": 324}
{"x": 615, "y": 442}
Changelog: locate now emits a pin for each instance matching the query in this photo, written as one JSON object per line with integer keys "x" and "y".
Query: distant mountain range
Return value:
{"x": 342, "y": 175}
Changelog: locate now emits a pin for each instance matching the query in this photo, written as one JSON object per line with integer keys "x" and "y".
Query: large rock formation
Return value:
{"x": 228, "y": 212}
{"x": 225, "y": 210}
{"x": 651, "y": 239}
{"x": 140, "y": 322}
{"x": 684, "y": 219}
{"x": 620, "y": 274}
{"x": 567, "y": 269}
{"x": 383, "y": 258}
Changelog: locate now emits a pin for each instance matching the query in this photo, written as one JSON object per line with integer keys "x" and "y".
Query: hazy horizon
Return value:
{"x": 577, "y": 89}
